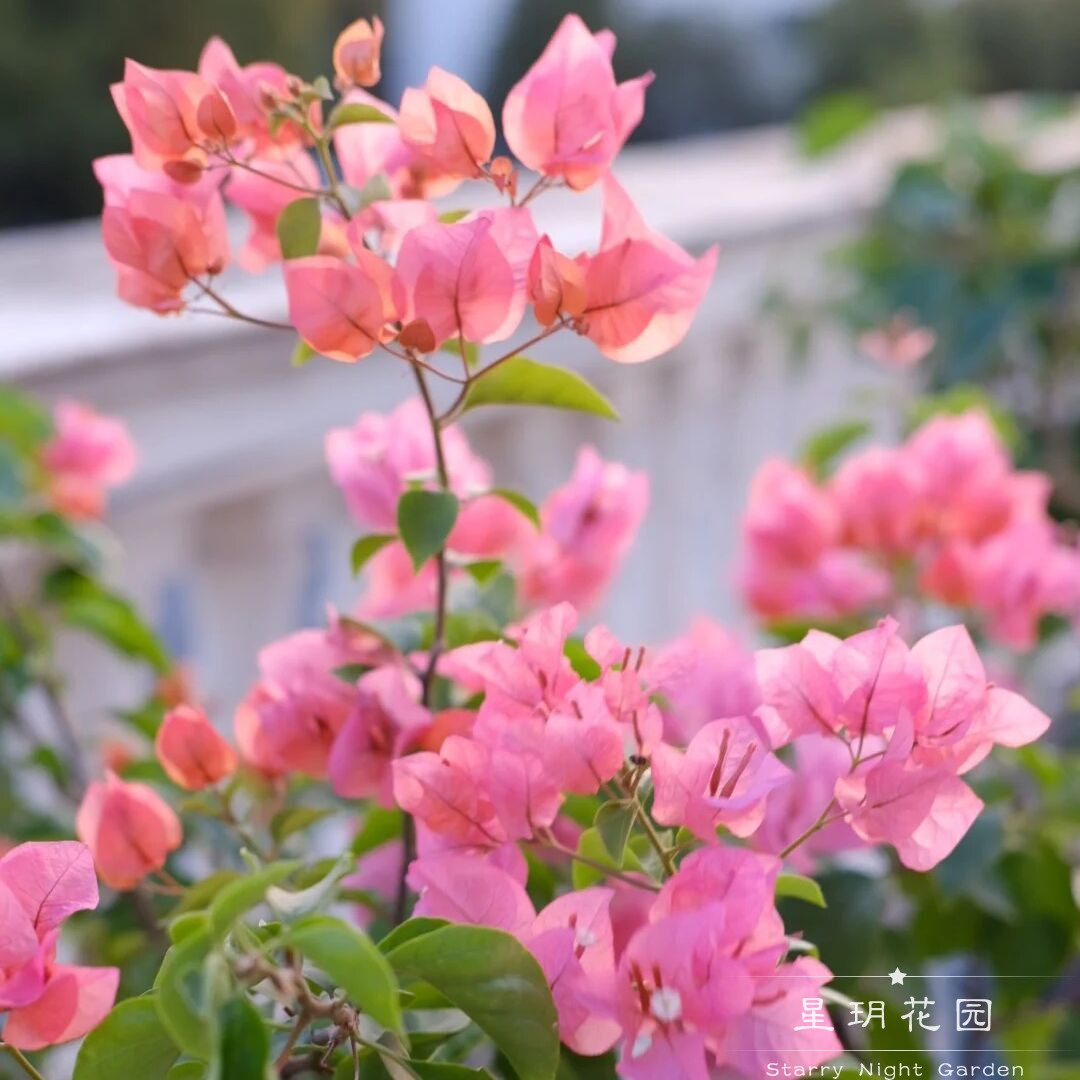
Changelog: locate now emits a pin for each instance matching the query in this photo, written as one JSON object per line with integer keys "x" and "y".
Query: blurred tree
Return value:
{"x": 58, "y": 57}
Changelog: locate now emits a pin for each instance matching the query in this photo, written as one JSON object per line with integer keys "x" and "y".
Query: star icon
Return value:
{"x": 897, "y": 977}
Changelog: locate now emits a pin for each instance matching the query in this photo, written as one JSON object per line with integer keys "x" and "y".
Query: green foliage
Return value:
{"x": 497, "y": 983}
{"x": 365, "y": 548}
{"x": 614, "y": 822}
{"x": 527, "y": 382}
{"x": 88, "y": 605}
{"x": 298, "y": 228}
{"x": 833, "y": 120}
{"x": 821, "y": 450}
{"x": 425, "y": 520}
{"x": 519, "y": 502}
{"x": 242, "y": 1051}
{"x": 352, "y": 962}
{"x": 356, "y": 112}
{"x": 236, "y": 898}
{"x": 131, "y": 1041}
{"x": 180, "y": 998}
{"x": 801, "y": 888}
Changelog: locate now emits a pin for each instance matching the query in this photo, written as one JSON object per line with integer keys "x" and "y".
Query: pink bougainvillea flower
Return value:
{"x": 642, "y": 290}
{"x": 900, "y": 343}
{"x": 261, "y": 195}
{"x": 466, "y": 889}
{"x": 386, "y": 721}
{"x": 788, "y": 518}
{"x": 389, "y": 221}
{"x": 375, "y": 460}
{"x": 87, "y": 454}
{"x": 448, "y": 125}
{"x": 467, "y": 279}
{"x": 573, "y": 941}
{"x": 587, "y": 528}
{"x": 567, "y": 117}
{"x": 356, "y": 54}
{"x": 252, "y": 92}
{"x": 160, "y": 111}
{"x": 129, "y": 828}
{"x": 965, "y": 716}
{"x": 922, "y": 812}
{"x": 766, "y": 1033}
{"x": 818, "y": 761}
{"x": 737, "y": 884}
{"x": 341, "y": 309}
{"x": 159, "y": 234}
{"x": 966, "y": 476}
{"x": 556, "y": 285}
{"x": 711, "y": 674}
{"x": 448, "y": 791}
{"x": 674, "y": 990}
{"x": 392, "y": 587}
{"x": 289, "y": 719}
{"x": 191, "y": 752}
{"x": 46, "y": 1003}
{"x": 723, "y": 779}
{"x": 877, "y": 496}
{"x": 367, "y": 151}
{"x": 1021, "y": 574}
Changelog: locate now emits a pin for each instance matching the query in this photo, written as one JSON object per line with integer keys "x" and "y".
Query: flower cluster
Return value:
{"x": 45, "y": 1002}
{"x": 86, "y": 455}
{"x": 382, "y": 264}
{"x": 945, "y": 511}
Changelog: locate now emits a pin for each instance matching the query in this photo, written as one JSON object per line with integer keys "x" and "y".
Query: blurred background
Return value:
{"x": 854, "y": 159}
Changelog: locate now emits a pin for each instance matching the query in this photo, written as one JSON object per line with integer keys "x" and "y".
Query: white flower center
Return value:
{"x": 585, "y": 937}
{"x": 665, "y": 1004}
{"x": 641, "y": 1046}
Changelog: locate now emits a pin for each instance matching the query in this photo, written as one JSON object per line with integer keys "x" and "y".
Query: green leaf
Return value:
{"x": 24, "y": 424}
{"x": 832, "y": 120}
{"x": 298, "y": 228}
{"x": 303, "y": 354}
{"x": 294, "y": 819}
{"x": 365, "y": 547}
{"x": 527, "y": 382}
{"x": 49, "y": 530}
{"x": 187, "y": 1070}
{"x": 180, "y": 997}
{"x": 356, "y": 112}
{"x": 411, "y": 928}
{"x": 614, "y": 822}
{"x": 472, "y": 350}
{"x": 130, "y": 1041}
{"x": 88, "y": 605}
{"x": 352, "y": 962}
{"x": 425, "y": 519}
{"x": 801, "y": 888}
{"x": 238, "y": 897}
{"x": 820, "y": 451}
{"x": 519, "y": 502}
{"x": 243, "y": 1046}
{"x": 452, "y": 217}
{"x": 380, "y": 826}
{"x": 497, "y": 983}
{"x": 592, "y": 847}
{"x": 197, "y": 897}
{"x": 483, "y": 570}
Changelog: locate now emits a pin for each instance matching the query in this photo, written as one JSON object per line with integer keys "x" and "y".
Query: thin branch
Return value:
{"x": 454, "y": 410}
{"x": 22, "y": 1062}
{"x": 231, "y": 312}
{"x": 818, "y": 825}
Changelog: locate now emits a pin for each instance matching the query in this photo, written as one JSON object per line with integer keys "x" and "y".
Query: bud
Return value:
{"x": 418, "y": 336}
{"x": 505, "y": 176}
{"x": 191, "y": 752}
{"x": 356, "y": 54}
{"x": 129, "y": 829}
{"x": 183, "y": 172}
